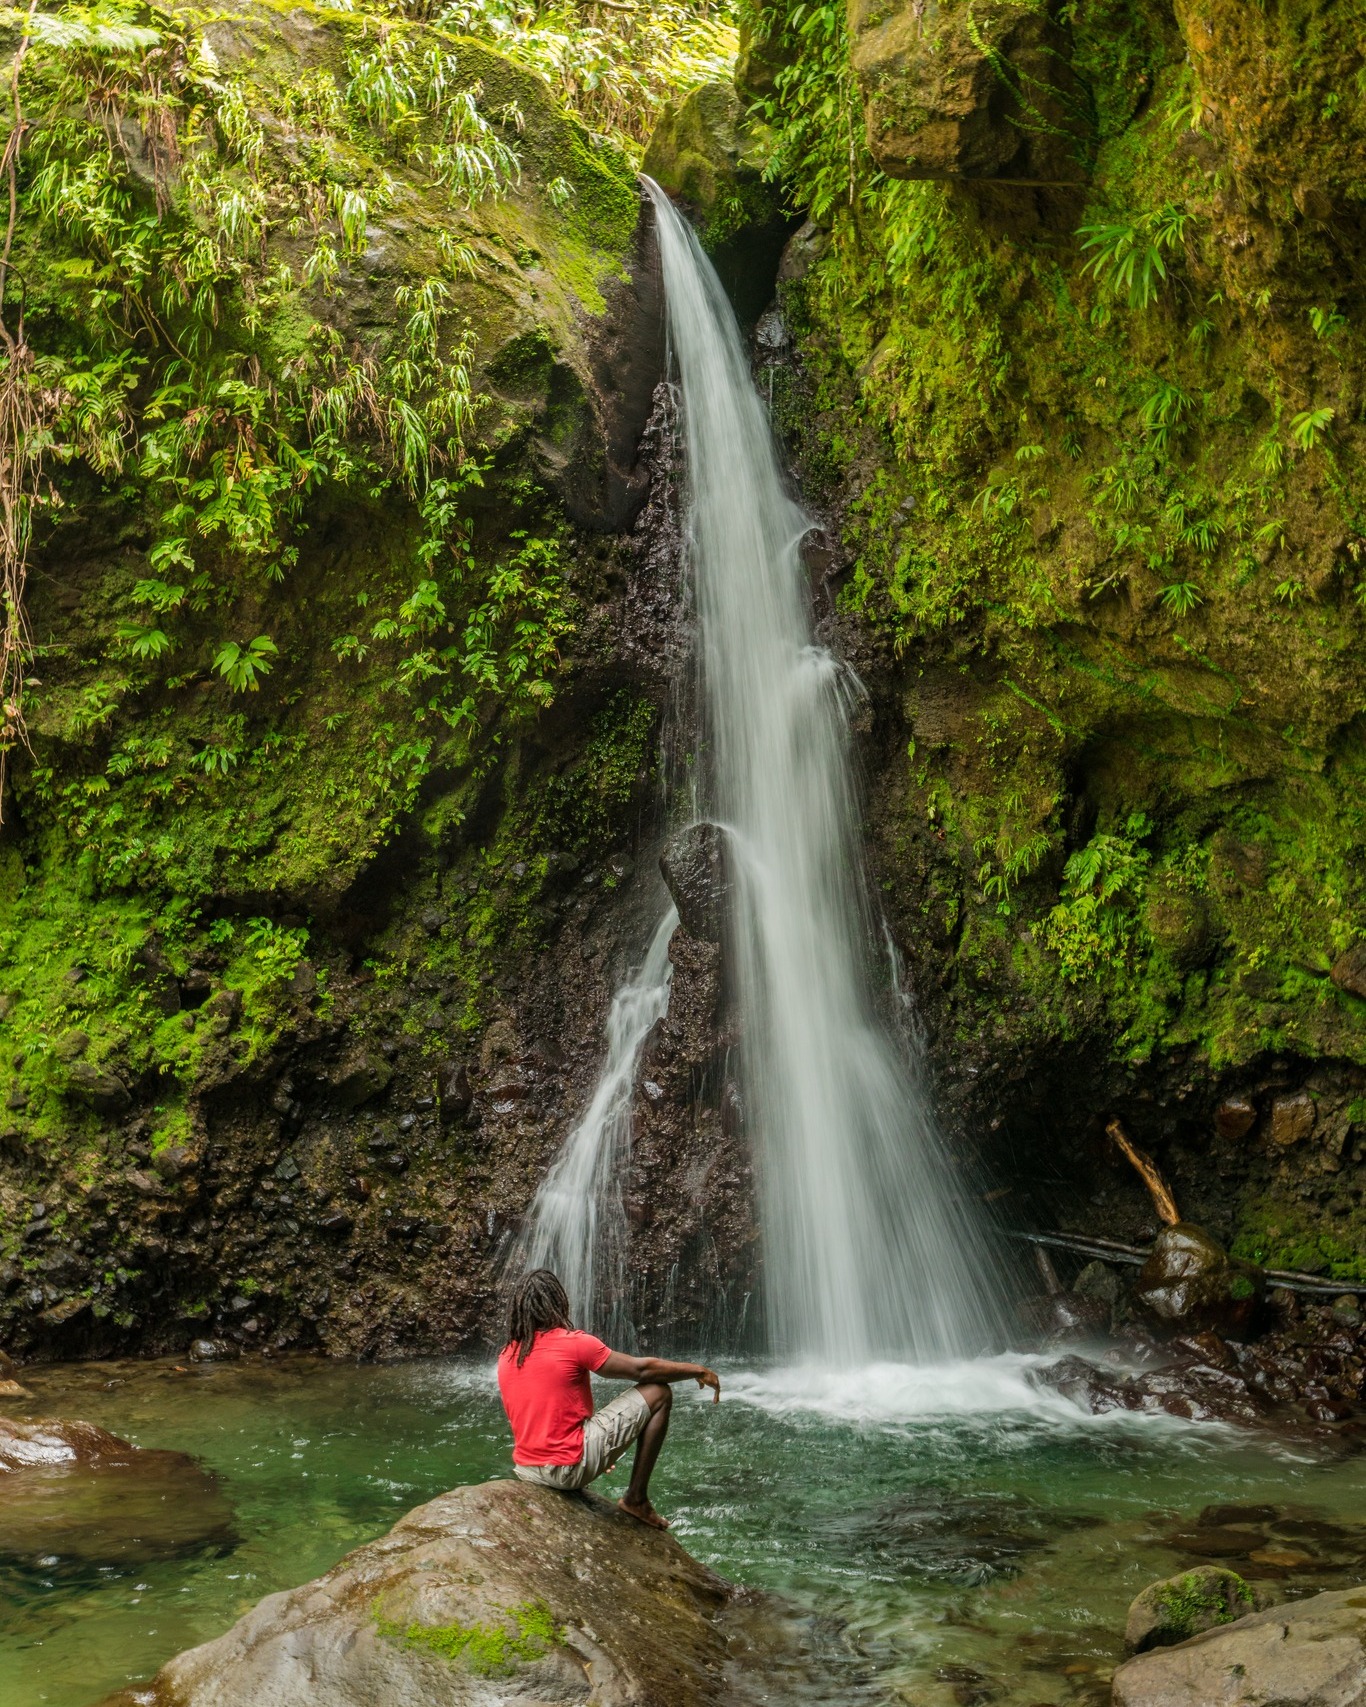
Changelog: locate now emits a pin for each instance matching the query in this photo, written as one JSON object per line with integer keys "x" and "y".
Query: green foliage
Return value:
{"x": 1103, "y": 883}
{"x": 616, "y": 69}
{"x": 1189, "y": 1604}
{"x": 489, "y": 1650}
{"x": 243, "y": 666}
{"x": 1127, "y": 255}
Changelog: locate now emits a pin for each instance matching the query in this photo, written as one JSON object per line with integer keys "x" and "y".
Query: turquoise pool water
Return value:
{"x": 981, "y": 1541}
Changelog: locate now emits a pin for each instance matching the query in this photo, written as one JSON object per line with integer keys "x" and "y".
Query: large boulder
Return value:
{"x": 1190, "y": 1281}
{"x": 1310, "y": 1654}
{"x": 78, "y": 1499}
{"x": 695, "y": 866}
{"x": 498, "y": 1594}
{"x": 966, "y": 89}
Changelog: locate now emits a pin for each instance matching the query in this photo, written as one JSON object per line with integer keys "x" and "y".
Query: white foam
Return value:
{"x": 902, "y": 1394}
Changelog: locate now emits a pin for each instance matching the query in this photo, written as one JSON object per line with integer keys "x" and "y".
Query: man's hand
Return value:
{"x": 709, "y": 1378}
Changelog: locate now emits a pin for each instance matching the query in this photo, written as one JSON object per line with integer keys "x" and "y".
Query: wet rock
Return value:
{"x": 72, "y": 1046}
{"x": 224, "y": 1008}
{"x": 1197, "y": 1392}
{"x": 1062, "y": 1316}
{"x": 1292, "y": 1118}
{"x": 1183, "y": 1606}
{"x": 574, "y": 1583}
{"x": 212, "y": 1351}
{"x": 454, "y": 1094}
{"x": 1309, "y": 1654}
{"x": 1235, "y": 1117}
{"x": 694, "y": 866}
{"x": 1349, "y": 970}
{"x": 359, "y": 1078}
{"x": 173, "y": 1163}
{"x": 1098, "y": 1281}
{"x": 100, "y": 1089}
{"x": 1190, "y": 1280}
{"x": 939, "y": 86}
{"x": 79, "y": 1499}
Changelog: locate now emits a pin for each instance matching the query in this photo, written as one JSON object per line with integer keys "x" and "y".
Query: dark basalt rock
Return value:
{"x": 1190, "y": 1280}
{"x": 1197, "y": 1392}
{"x": 694, "y": 866}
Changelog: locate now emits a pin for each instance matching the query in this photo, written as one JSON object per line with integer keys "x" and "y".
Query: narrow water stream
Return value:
{"x": 981, "y": 1540}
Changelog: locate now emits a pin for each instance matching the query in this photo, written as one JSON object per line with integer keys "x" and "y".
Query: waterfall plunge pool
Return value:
{"x": 978, "y": 1540}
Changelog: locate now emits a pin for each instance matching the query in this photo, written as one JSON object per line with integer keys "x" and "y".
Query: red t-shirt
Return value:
{"x": 549, "y": 1399}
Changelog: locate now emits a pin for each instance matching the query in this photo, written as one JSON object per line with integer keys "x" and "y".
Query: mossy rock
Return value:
{"x": 1183, "y": 1606}
{"x": 709, "y": 155}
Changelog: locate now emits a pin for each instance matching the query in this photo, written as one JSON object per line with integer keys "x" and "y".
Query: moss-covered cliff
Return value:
{"x": 339, "y": 340}
{"x": 1079, "y": 360}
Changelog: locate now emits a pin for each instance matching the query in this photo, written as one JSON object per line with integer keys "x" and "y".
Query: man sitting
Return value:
{"x": 558, "y": 1439}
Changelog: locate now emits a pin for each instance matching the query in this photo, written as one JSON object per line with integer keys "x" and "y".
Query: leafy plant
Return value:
{"x": 1309, "y": 426}
{"x": 1181, "y": 597}
{"x": 1102, "y": 885}
{"x": 143, "y": 641}
{"x": 242, "y": 666}
{"x": 1127, "y": 255}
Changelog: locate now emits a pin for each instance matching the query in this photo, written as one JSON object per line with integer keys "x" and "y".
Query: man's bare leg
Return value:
{"x": 636, "y": 1499}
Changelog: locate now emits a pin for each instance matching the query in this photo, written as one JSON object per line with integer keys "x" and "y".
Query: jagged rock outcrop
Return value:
{"x": 968, "y": 91}
{"x": 495, "y": 1594}
{"x": 694, "y": 867}
{"x": 709, "y": 154}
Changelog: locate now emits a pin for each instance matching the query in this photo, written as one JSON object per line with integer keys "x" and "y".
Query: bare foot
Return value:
{"x": 645, "y": 1513}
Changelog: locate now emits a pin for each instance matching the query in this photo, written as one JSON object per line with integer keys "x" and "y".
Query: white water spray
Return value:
{"x": 867, "y": 1249}
{"x": 578, "y": 1222}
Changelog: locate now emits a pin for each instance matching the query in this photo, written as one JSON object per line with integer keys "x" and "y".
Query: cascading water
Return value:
{"x": 868, "y": 1252}
{"x": 577, "y": 1224}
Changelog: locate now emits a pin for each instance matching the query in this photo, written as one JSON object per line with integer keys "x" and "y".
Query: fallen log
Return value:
{"x": 1134, "y": 1256}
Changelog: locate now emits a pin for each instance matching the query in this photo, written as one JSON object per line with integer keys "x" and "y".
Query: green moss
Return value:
{"x": 489, "y": 1650}
{"x": 1192, "y": 1603}
{"x": 1069, "y": 511}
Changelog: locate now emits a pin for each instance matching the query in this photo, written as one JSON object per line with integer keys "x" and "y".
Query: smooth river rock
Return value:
{"x": 1308, "y": 1654}
{"x": 75, "y": 1498}
{"x": 497, "y": 1594}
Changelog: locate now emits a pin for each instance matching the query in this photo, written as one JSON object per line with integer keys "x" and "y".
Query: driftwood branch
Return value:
{"x": 1163, "y": 1201}
{"x": 1134, "y": 1256}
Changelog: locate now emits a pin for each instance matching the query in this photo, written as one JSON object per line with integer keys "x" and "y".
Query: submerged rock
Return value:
{"x": 495, "y": 1594}
{"x": 77, "y": 1498}
{"x": 1310, "y": 1654}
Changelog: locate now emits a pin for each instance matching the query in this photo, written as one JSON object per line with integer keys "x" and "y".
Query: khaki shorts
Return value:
{"x": 606, "y": 1435}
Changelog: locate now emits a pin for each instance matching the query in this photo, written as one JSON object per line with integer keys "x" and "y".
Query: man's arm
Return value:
{"x": 620, "y": 1367}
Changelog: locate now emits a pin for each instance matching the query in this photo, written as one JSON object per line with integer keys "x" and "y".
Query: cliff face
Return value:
{"x": 1076, "y": 360}
{"x": 347, "y": 667}
{"x": 354, "y": 593}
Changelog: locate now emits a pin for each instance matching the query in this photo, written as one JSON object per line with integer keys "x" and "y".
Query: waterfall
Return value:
{"x": 868, "y": 1250}
{"x": 577, "y": 1224}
